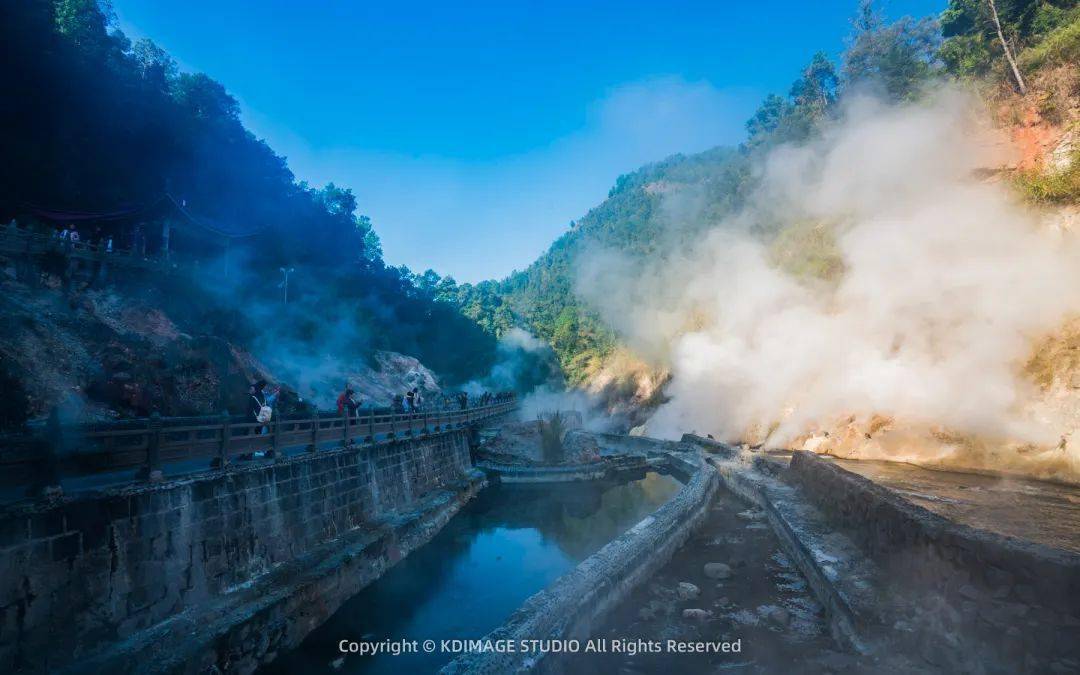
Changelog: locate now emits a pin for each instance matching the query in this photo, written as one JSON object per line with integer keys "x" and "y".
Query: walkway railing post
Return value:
{"x": 151, "y": 471}
{"x": 393, "y": 416}
{"x": 275, "y": 450}
{"x": 347, "y": 441}
{"x": 222, "y": 460}
{"x": 314, "y": 445}
{"x": 371, "y": 426}
{"x": 47, "y": 484}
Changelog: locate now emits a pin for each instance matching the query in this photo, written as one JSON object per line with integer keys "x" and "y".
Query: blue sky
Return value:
{"x": 473, "y": 133}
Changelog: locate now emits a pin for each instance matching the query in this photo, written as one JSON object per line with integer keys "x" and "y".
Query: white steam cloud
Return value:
{"x": 944, "y": 283}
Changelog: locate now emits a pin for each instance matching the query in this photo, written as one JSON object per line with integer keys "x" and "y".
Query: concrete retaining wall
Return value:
{"x": 579, "y": 600}
{"x": 1021, "y": 597}
{"x": 97, "y": 570}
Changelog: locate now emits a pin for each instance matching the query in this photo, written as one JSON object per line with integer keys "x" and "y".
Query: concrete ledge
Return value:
{"x": 251, "y": 624}
{"x": 608, "y": 466}
{"x": 838, "y": 574}
{"x": 622, "y": 444}
{"x": 579, "y": 600}
{"x": 996, "y": 581}
{"x": 710, "y": 445}
{"x": 508, "y": 473}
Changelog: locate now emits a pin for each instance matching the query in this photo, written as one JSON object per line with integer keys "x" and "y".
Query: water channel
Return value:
{"x": 504, "y": 546}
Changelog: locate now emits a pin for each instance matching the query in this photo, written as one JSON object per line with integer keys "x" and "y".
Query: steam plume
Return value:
{"x": 916, "y": 293}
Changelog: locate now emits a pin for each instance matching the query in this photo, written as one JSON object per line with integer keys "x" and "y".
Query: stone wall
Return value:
{"x": 88, "y": 572}
{"x": 1020, "y": 597}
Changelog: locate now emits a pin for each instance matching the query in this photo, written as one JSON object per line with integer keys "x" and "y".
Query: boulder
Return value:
{"x": 699, "y": 615}
{"x": 777, "y": 616}
{"x": 687, "y": 591}
{"x": 717, "y": 570}
{"x": 581, "y": 447}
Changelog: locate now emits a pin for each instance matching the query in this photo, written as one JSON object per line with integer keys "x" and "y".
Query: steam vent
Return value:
{"x": 361, "y": 338}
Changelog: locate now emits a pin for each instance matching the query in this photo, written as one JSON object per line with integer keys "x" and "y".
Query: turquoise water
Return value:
{"x": 503, "y": 547}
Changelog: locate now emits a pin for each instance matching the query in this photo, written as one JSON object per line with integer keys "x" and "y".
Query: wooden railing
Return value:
{"x": 23, "y": 242}
{"x": 147, "y": 445}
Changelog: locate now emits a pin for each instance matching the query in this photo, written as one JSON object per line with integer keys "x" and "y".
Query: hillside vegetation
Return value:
{"x": 95, "y": 123}
{"x": 897, "y": 61}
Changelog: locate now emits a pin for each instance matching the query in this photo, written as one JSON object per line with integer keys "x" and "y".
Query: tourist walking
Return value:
{"x": 343, "y": 401}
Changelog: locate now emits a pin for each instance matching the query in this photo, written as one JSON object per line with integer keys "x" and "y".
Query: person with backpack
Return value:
{"x": 260, "y": 405}
{"x": 345, "y": 401}
{"x": 410, "y": 400}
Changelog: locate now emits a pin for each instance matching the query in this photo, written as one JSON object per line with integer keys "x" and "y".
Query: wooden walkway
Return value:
{"x": 143, "y": 447}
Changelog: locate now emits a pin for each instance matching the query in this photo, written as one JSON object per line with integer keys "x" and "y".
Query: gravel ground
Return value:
{"x": 731, "y": 582}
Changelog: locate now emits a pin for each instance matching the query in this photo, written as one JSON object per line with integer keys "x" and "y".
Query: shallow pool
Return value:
{"x": 503, "y": 547}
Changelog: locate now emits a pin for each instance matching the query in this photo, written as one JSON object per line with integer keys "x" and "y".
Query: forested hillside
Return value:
{"x": 93, "y": 123}
{"x": 896, "y": 61}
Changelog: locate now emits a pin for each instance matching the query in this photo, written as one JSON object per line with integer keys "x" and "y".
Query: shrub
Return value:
{"x": 808, "y": 250}
{"x": 552, "y": 431}
{"x": 1061, "y": 46}
{"x": 1052, "y": 188}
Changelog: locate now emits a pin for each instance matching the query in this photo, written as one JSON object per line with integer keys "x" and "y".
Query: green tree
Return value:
{"x": 816, "y": 89}
{"x": 155, "y": 64}
{"x": 84, "y": 23}
{"x": 896, "y": 58}
{"x": 206, "y": 99}
{"x": 980, "y": 33}
{"x": 767, "y": 117}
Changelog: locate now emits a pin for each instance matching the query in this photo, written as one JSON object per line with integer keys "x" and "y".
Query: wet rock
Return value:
{"x": 970, "y": 592}
{"x": 687, "y": 591}
{"x": 997, "y": 577}
{"x": 651, "y": 610}
{"x": 777, "y": 616}
{"x": 717, "y": 570}
{"x": 695, "y": 614}
{"x": 581, "y": 447}
{"x": 1026, "y": 593}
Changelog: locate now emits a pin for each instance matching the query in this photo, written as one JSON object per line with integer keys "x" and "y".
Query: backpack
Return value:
{"x": 265, "y": 412}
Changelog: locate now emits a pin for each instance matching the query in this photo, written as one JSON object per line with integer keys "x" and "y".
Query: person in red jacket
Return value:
{"x": 346, "y": 402}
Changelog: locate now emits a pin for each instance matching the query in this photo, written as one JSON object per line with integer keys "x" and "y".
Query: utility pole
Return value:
{"x": 285, "y": 283}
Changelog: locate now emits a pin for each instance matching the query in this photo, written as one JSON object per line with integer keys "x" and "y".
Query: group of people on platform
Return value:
{"x": 263, "y": 399}
{"x": 412, "y": 401}
{"x": 70, "y": 236}
{"x": 101, "y": 241}
{"x": 262, "y": 402}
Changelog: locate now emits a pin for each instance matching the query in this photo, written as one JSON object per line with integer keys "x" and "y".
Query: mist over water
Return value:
{"x": 936, "y": 284}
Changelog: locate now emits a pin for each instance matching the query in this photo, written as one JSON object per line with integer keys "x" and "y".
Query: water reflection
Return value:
{"x": 507, "y": 544}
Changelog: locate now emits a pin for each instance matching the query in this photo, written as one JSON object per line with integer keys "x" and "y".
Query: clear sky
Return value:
{"x": 473, "y": 132}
